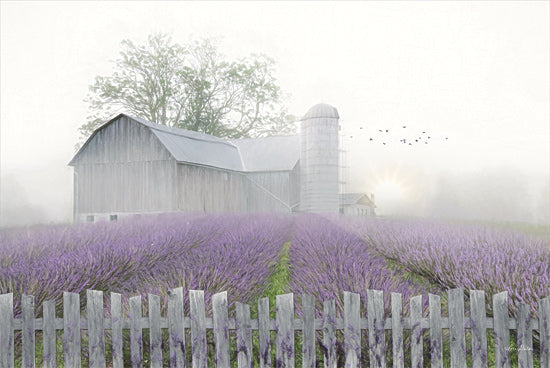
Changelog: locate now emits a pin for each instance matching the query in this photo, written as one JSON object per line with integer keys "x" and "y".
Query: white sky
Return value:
{"x": 476, "y": 72}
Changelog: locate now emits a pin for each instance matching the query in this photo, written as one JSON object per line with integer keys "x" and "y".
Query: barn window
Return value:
{"x": 113, "y": 217}
{"x": 90, "y": 218}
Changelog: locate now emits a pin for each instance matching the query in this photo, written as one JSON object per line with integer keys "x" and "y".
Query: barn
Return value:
{"x": 132, "y": 166}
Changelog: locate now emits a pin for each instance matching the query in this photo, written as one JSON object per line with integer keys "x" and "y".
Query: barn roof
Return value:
{"x": 269, "y": 153}
{"x": 254, "y": 154}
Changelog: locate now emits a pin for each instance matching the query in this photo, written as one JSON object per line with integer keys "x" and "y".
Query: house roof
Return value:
{"x": 254, "y": 154}
{"x": 354, "y": 198}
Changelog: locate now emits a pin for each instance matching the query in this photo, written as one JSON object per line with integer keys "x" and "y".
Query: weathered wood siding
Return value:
{"x": 214, "y": 190}
{"x": 124, "y": 168}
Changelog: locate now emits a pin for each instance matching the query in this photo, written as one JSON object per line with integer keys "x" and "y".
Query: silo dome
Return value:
{"x": 321, "y": 110}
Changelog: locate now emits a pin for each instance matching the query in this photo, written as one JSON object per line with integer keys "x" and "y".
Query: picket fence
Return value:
{"x": 285, "y": 323}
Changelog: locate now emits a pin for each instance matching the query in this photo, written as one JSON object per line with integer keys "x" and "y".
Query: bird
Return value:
{"x": 351, "y": 136}
{"x": 446, "y": 138}
{"x": 404, "y": 126}
{"x": 423, "y": 132}
{"x": 370, "y": 139}
{"x": 410, "y": 144}
{"x": 429, "y": 137}
{"x": 384, "y": 143}
{"x": 380, "y": 130}
{"x": 387, "y": 130}
{"x": 360, "y": 127}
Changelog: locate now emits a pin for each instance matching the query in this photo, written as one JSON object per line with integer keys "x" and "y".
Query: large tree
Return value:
{"x": 191, "y": 87}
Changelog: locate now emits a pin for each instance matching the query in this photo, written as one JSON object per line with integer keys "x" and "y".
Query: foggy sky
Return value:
{"x": 475, "y": 72}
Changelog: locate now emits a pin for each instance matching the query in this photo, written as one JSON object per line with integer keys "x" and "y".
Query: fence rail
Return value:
{"x": 285, "y": 324}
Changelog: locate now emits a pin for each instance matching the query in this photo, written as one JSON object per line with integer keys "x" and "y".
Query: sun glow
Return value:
{"x": 389, "y": 189}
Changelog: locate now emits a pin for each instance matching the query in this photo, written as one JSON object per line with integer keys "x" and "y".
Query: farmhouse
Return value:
{"x": 132, "y": 166}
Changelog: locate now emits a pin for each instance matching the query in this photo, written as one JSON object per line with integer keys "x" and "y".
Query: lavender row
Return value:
{"x": 326, "y": 260}
{"x": 463, "y": 255}
{"x": 145, "y": 255}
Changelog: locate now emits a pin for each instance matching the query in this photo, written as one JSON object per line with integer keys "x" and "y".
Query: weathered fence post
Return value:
{"x": 417, "y": 350}
{"x": 27, "y": 331}
{"x": 221, "y": 328}
{"x": 478, "y": 322}
{"x": 49, "y": 334}
{"x": 71, "y": 329}
{"x": 329, "y": 333}
{"x": 285, "y": 330}
{"x": 352, "y": 328}
{"x": 456, "y": 326}
{"x": 377, "y": 336}
{"x": 198, "y": 328}
{"x": 436, "y": 338}
{"x": 397, "y": 330}
{"x": 308, "y": 332}
{"x": 244, "y": 336}
{"x": 136, "y": 332}
{"x": 501, "y": 328}
{"x": 7, "y": 356}
{"x": 264, "y": 327}
{"x": 96, "y": 328}
{"x": 544, "y": 329}
{"x": 155, "y": 333}
{"x": 176, "y": 329}
{"x": 116, "y": 330}
{"x": 524, "y": 336}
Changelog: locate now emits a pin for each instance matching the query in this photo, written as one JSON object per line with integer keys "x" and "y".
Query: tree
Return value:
{"x": 191, "y": 87}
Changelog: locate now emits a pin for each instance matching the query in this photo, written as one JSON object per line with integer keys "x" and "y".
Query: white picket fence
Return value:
{"x": 375, "y": 322}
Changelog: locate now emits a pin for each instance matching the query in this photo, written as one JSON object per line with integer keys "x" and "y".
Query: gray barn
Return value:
{"x": 132, "y": 166}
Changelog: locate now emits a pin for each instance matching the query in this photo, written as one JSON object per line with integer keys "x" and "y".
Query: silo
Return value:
{"x": 319, "y": 160}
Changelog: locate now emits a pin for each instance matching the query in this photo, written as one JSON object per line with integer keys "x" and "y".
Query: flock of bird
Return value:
{"x": 419, "y": 138}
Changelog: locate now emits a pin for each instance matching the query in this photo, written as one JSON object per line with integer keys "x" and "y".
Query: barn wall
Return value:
{"x": 209, "y": 189}
{"x": 124, "y": 168}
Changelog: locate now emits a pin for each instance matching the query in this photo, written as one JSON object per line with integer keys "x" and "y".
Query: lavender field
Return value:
{"x": 257, "y": 255}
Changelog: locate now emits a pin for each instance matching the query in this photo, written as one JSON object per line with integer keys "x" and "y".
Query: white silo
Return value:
{"x": 319, "y": 164}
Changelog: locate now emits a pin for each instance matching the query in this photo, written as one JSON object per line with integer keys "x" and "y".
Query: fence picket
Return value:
{"x": 352, "y": 328}
{"x": 308, "y": 332}
{"x": 377, "y": 336}
{"x": 456, "y": 326}
{"x": 221, "y": 328}
{"x": 285, "y": 330}
{"x": 198, "y": 328}
{"x": 525, "y": 337}
{"x": 96, "y": 328}
{"x": 544, "y": 329}
{"x": 436, "y": 338}
{"x": 49, "y": 335}
{"x": 502, "y": 333}
{"x": 155, "y": 333}
{"x": 264, "y": 324}
{"x": 71, "y": 329}
{"x": 136, "y": 332}
{"x": 116, "y": 330}
{"x": 27, "y": 330}
{"x": 244, "y": 335}
{"x": 176, "y": 329}
{"x": 397, "y": 330}
{"x": 478, "y": 318}
{"x": 329, "y": 333}
{"x": 7, "y": 356}
{"x": 417, "y": 358}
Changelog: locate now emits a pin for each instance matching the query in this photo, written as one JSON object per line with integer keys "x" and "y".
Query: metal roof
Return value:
{"x": 253, "y": 154}
{"x": 277, "y": 153}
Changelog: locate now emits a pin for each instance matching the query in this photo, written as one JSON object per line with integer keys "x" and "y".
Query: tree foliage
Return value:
{"x": 192, "y": 87}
